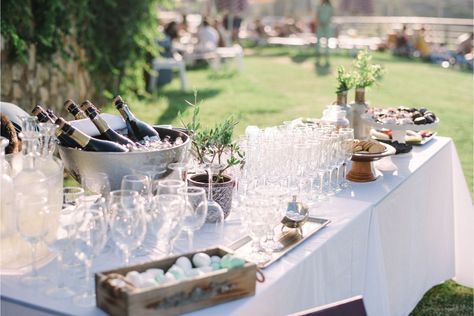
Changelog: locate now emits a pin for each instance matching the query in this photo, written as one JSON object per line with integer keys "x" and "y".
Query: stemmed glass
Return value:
{"x": 128, "y": 223}
{"x": 61, "y": 239}
{"x": 33, "y": 218}
{"x": 215, "y": 214}
{"x": 90, "y": 240}
{"x": 180, "y": 170}
{"x": 195, "y": 210}
{"x": 96, "y": 185}
{"x": 167, "y": 218}
{"x": 347, "y": 142}
{"x": 168, "y": 186}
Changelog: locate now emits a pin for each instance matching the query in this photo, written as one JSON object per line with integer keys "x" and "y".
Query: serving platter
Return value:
{"x": 362, "y": 164}
{"x": 287, "y": 238}
{"x": 423, "y": 141}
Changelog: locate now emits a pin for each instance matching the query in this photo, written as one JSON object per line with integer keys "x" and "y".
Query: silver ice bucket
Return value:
{"x": 116, "y": 165}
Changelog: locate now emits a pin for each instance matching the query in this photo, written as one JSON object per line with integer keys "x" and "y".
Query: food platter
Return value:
{"x": 362, "y": 164}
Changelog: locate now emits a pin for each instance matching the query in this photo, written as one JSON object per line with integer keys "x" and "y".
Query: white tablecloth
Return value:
{"x": 389, "y": 240}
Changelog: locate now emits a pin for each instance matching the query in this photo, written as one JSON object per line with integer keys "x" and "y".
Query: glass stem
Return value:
{"x": 190, "y": 239}
{"x": 209, "y": 185}
{"x": 61, "y": 271}
{"x": 89, "y": 287}
{"x": 34, "y": 271}
{"x": 344, "y": 172}
{"x": 126, "y": 256}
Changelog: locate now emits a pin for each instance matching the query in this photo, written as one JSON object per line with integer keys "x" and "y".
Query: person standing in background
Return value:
{"x": 323, "y": 27}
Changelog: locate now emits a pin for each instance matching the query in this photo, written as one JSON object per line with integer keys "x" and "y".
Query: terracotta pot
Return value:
{"x": 221, "y": 191}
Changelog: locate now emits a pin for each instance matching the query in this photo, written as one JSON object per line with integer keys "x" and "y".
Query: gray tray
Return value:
{"x": 288, "y": 239}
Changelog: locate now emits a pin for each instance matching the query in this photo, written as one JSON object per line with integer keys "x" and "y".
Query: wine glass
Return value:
{"x": 139, "y": 183}
{"x": 61, "y": 242}
{"x": 96, "y": 185}
{"x": 168, "y": 186}
{"x": 195, "y": 210}
{"x": 90, "y": 240}
{"x": 180, "y": 170}
{"x": 215, "y": 213}
{"x": 128, "y": 223}
{"x": 168, "y": 215}
{"x": 33, "y": 218}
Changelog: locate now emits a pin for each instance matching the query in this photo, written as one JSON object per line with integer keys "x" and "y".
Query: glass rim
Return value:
{"x": 120, "y": 192}
{"x": 197, "y": 190}
{"x": 170, "y": 183}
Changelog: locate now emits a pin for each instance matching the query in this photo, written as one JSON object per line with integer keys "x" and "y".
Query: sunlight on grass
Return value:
{"x": 279, "y": 84}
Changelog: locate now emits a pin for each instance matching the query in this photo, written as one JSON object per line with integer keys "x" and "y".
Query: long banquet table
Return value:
{"x": 390, "y": 240}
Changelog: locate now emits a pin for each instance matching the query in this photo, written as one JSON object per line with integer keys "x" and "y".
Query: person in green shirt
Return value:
{"x": 323, "y": 27}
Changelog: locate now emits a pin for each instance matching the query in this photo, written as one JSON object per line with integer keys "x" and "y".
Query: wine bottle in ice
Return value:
{"x": 43, "y": 117}
{"x": 72, "y": 108}
{"x": 102, "y": 125}
{"x": 137, "y": 129}
{"x": 86, "y": 142}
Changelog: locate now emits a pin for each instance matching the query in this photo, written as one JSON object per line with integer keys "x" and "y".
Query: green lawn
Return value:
{"x": 280, "y": 84}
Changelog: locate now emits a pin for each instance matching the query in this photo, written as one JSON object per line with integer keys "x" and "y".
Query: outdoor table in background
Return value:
{"x": 390, "y": 240}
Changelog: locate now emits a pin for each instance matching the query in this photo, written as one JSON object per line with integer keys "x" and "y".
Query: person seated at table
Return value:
{"x": 208, "y": 37}
{"x": 464, "y": 56}
{"x": 224, "y": 37}
{"x": 402, "y": 44}
{"x": 420, "y": 45}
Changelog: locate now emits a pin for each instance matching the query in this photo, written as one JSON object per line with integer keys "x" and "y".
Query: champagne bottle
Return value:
{"x": 137, "y": 129}
{"x": 85, "y": 141}
{"x": 72, "y": 108}
{"x": 102, "y": 125}
{"x": 43, "y": 117}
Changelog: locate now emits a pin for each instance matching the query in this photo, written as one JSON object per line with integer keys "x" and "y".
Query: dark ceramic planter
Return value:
{"x": 221, "y": 192}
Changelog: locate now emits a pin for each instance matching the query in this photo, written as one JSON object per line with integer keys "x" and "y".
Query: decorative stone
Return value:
{"x": 230, "y": 262}
{"x": 215, "y": 266}
{"x": 135, "y": 278}
{"x": 169, "y": 277}
{"x": 177, "y": 272}
{"x": 184, "y": 263}
{"x": 215, "y": 259}
{"x": 191, "y": 273}
{"x": 206, "y": 269}
{"x": 148, "y": 283}
{"x": 201, "y": 259}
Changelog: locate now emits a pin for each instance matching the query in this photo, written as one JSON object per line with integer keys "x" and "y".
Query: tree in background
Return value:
{"x": 113, "y": 39}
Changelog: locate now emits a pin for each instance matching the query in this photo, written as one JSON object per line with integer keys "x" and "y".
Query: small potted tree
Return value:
{"x": 365, "y": 75}
{"x": 214, "y": 146}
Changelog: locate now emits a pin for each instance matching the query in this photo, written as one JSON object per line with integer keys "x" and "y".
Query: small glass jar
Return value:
{"x": 334, "y": 115}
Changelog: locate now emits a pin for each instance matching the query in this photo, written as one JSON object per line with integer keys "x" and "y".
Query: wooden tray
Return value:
{"x": 176, "y": 297}
{"x": 288, "y": 239}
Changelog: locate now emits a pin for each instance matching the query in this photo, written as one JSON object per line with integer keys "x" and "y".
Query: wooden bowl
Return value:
{"x": 362, "y": 164}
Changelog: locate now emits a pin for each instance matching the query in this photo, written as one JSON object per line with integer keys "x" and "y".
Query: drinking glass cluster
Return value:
{"x": 307, "y": 160}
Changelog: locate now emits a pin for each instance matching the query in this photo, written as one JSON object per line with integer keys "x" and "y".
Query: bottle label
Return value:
{"x": 100, "y": 123}
{"x": 80, "y": 138}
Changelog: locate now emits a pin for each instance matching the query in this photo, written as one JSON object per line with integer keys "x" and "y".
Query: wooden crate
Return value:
{"x": 177, "y": 297}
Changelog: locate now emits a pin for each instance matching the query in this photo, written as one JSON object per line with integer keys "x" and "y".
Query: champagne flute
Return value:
{"x": 33, "y": 217}
{"x": 195, "y": 210}
{"x": 347, "y": 142}
{"x": 90, "y": 240}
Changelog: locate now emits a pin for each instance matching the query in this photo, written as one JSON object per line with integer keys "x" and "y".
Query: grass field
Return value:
{"x": 281, "y": 84}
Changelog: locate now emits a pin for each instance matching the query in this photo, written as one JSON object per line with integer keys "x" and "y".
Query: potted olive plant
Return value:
{"x": 214, "y": 146}
{"x": 365, "y": 75}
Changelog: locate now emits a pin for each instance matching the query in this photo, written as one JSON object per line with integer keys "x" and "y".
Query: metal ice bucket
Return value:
{"x": 116, "y": 165}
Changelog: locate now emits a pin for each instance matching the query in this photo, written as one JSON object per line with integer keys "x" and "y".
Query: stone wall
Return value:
{"x": 48, "y": 83}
